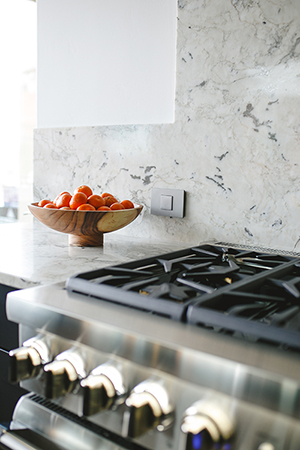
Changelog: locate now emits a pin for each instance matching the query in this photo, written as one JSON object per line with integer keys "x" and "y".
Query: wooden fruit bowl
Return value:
{"x": 85, "y": 228}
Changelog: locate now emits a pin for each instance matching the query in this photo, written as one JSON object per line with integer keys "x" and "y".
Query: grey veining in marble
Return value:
{"x": 234, "y": 146}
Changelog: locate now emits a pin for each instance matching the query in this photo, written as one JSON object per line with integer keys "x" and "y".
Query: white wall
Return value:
{"x": 106, "y": 62}
{"x": 234, "y": 146}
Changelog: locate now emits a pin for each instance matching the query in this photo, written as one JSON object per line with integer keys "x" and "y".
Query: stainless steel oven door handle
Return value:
{"x": 25, "y": 439}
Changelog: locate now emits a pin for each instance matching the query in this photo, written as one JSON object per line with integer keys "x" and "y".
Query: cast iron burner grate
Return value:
{"x": 238, "y": 291}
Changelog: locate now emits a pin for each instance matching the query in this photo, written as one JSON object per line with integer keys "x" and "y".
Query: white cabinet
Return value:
{"x": 106, "y": 62}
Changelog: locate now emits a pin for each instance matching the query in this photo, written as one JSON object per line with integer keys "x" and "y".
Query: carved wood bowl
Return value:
{"x": 85, "y": 228}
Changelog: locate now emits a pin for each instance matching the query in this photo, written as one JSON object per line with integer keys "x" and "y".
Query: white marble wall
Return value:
{"x": 234, "y": 147}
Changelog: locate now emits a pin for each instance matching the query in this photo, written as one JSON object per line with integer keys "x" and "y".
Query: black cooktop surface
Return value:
{"x": 249, "y": 293}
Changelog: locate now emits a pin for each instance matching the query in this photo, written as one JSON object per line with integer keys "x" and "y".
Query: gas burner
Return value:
{"x": 242, "y": 292}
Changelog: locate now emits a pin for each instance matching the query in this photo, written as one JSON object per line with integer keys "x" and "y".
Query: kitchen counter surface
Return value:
{"x": 32, "y": 254}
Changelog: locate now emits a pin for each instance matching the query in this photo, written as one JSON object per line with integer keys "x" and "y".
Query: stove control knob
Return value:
{"x": 27, "y": 361}
{"x": 266, "y": 446}
{"x": 102, "y": 388}
{"x": 148, "y": 408}
{"x": 62, "y": 374}
{"x": 206, "y": 425}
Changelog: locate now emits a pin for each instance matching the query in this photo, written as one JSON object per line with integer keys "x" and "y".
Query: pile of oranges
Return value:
{"x": 83, "y": 199}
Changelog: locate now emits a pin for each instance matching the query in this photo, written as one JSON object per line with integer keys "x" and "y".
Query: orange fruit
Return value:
{"x": 127, "y": 204}
{"x": 50, "y": 205}
{"x": 106, "y": 194}
{"x": 86, "y": 207}
{"x": 57, "y": 197}
{"x": 103, "y": 208}
{"x": 116, "y": 205}
{"x": 44, "y": 202}
{"x": 96, "y": 200}
{"x": 67, "y": 208}
{"x": 79, "y": 198}
{"x": 85, "y": 189}
{"x": 63, "y": 200}
{"x": 109, "y": 200}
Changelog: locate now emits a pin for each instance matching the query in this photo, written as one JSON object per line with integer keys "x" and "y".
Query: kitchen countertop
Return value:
{"x": 33, "y": 254}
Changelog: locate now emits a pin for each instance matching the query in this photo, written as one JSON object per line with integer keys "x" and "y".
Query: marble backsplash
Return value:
{"x": 234, "y": 146}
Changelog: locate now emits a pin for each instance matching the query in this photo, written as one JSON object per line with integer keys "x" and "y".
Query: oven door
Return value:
{"x": 38, "y": 425}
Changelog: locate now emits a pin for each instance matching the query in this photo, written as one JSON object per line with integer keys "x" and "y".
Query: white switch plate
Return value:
{"x": 167, "y": 202}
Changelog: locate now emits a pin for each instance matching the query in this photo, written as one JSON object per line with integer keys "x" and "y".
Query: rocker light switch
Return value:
{"x": 167, "y": 202}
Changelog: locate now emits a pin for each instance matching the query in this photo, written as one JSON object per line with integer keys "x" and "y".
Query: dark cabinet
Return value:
{"x": 9, "y": 394}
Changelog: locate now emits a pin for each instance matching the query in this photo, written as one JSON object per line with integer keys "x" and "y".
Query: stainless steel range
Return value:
{"x": 194, "y": 349}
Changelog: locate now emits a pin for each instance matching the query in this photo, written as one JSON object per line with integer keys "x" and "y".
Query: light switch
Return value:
{"x": 166, "y": 202}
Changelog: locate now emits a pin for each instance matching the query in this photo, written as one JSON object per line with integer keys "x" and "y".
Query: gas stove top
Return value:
{"x": 248, "y": 293}
{"x": 194, "y": 349}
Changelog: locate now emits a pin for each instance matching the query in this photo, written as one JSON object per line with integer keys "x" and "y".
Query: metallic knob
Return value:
{"x": 205, "y": 425}
{"x": 26, "y": 361}
{"x": 149, "y": 408}
{"x": 62, "y": 374}
{"x": 266, "y": 446}
{"x": 102, "y": 388}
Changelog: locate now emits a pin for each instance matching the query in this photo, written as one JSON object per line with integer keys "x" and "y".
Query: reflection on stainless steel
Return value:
{"x": 67, "y": 432}
{"x": 25, "y": 439}
{"x": 119, "y": 377}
